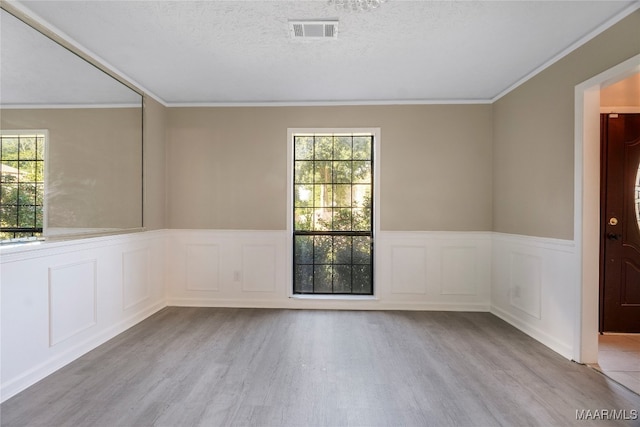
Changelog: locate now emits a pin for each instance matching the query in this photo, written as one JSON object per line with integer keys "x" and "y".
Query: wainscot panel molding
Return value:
{"x": 70, "y": 316}
{"x": 60, "y": 300}
{"x": 135, "y": 278}
{"x": 434, "y": 270}
{"x": 203, "y": 267}
{"x": 231, "y": 268}
{"x": 413, "y": 271}
{"x": 535, "y": 287}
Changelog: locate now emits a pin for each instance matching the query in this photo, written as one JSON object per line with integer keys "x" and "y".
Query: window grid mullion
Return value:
{"x": 318, "y": 182}
{"x": 22, "y": 187}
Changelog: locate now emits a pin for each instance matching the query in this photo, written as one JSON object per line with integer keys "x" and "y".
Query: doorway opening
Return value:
{"x": 587, "y": 204}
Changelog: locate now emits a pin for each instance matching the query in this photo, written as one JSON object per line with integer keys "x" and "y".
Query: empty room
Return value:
{"x": 319, "y": 213}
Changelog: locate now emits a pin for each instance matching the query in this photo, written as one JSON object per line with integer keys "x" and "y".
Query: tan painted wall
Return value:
{"x": 534, "y": 137}
{"x": 227, "y": 167}
{"x": 155, "y": 201}
{"x": 625, "y": 93}
{"x": 94, "y": 164}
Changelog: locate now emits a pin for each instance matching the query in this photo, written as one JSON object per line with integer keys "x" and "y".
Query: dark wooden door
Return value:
{"x": 620, "y": 229}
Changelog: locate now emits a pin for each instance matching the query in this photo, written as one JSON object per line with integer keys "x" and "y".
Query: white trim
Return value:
{"x": 330, "y": 103}
{"x": 541, "y": 242}
{"x": 376, "y": 190}
{"x": 335, "y": 297}
{"x": 550, "y": 341}
{"x": 64, "y": 106}
{"x": 601, "y": 28}
{"x": 587, "y": 204}
{"x": 313, "y": 303}
{"x": 41, "y": 249}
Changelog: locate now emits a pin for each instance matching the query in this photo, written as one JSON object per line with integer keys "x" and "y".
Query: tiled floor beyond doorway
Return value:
{"x": 619, "y": 358}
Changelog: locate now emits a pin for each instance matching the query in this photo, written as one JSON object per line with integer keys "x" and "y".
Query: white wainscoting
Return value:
{"x": 434, "y": 270}
{"x": 413, "y": 271}
{"x": 535, "y": 287}
{"x": 70, "y": 316}
{"x": 226, "y": 268}
{"x": 60, "y": 300}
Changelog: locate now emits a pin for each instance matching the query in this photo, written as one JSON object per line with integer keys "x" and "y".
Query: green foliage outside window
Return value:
{"x": 21, "y": 185}
{"x": 333, "y": 185}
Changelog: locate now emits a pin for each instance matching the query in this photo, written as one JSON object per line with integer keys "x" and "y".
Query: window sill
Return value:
{"x": 334, "y": 297}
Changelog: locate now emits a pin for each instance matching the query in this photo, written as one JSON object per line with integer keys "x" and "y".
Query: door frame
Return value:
{"x": 587, "y": 205}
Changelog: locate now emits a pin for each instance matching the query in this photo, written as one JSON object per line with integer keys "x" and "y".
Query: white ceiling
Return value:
{"x": 225, "y": 52}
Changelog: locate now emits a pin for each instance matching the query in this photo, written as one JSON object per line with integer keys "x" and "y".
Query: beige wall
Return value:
{"x": 94, "y": 160}
{"x": 155, "y": 122}
{"x": 534, "y": 137}
{"x": 506, "y": 167}
{"x": 227, "y": 167}
{"x": 625, "y": 93}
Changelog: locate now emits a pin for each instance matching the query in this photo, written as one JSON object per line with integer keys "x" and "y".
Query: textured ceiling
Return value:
{"x": 186, "y": 52}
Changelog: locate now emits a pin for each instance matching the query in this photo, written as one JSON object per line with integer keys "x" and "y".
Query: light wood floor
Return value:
{"x": 258, "y": 367}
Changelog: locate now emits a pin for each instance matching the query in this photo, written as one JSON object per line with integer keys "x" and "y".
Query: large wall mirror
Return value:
{"x": 71, "y": 139}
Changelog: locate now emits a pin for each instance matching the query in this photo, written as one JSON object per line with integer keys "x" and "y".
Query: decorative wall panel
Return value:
{"x": 60, "y": 300}
{"x": 70, "y": 316}
{"x": 135, "y": 277}
{"x": 525, "y": 284}
{"x": 459, "y": 271}
{"x": 535, "y": 287}
{"x": 258, "y": 268}
{"x": 408, "y": 269}
{"x": 203, "y": 267}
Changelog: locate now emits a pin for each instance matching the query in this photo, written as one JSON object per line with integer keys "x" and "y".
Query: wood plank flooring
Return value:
{"x": 260, "y": 367}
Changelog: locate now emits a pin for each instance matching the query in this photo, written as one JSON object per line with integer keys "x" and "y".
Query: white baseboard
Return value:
{"x": 48, "y": 367}
{"x": 550, "y": 341}
{"x": 326, "y": 304}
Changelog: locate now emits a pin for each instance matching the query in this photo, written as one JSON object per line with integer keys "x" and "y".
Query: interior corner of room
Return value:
{"x": 490, "y": 206}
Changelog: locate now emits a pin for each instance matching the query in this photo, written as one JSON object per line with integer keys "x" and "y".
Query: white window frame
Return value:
{"x": 376, "y": 209}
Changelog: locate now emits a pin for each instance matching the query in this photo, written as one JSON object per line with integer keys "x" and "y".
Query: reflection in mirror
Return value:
{"x": 70, "y": 139}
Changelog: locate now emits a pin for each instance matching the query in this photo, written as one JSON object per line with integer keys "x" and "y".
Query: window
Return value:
{"x": 333, "y": 213}
{"x": 21, "y": 185}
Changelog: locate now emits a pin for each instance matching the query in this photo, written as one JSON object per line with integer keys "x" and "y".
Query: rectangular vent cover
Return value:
{"x": 313, "y": 30}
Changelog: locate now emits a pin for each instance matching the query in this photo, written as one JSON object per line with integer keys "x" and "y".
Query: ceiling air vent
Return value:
{"x": 313, "y": 30}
